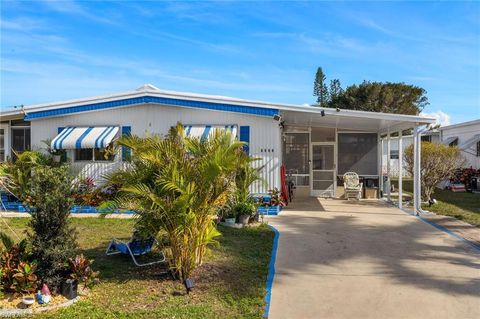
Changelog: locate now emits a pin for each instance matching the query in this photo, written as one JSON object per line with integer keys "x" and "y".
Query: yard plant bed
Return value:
{"x": 464, "y": 206}
{"x": 230, "y": 283}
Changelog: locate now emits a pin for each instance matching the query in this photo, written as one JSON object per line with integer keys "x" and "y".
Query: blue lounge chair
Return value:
{"x": 135, "y": 247}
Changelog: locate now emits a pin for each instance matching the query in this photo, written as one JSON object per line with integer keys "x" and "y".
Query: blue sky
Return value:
{"x": 60, "y": 50}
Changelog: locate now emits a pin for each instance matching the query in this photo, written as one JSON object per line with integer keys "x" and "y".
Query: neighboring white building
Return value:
{"x": 432, "y": 136}
{"x": 466, "y": 136}
{"x": 317, "y": 145}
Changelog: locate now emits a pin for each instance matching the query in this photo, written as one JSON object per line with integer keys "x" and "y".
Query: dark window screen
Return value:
{"x": 296, "y": 152}
{"x": 357, "y": 152}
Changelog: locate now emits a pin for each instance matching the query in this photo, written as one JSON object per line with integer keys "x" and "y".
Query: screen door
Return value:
{"x": 323, "y": 169}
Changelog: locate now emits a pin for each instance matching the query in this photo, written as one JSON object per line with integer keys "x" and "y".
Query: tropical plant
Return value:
{"x": 15, "y": 177}
{"x": 438, "y": 163}
{"x": 51, "y": 235}
{"x": 81, "y": 270}
{"x": 245, "y": 208}
{"x": 11, "y": 257}
{"x": 276, "y": 198}
{"x": 25, "y": 279}
{"x": 177, "y": 184}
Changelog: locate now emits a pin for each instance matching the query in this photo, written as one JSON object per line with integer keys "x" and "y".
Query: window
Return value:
{"x": 478, "y": 149}
{"x": 84, "y": 154}
{"x": 101, "y": 154}
{"x": 296, "y": 157}
{"x": 454, "y": 142}
{"x": 394, "y": 154}
{"x": 97, "y": 154}
{"x": 20, "y": 139}
{"x": 357, "y": 152}
{"x": 426, "y": 138}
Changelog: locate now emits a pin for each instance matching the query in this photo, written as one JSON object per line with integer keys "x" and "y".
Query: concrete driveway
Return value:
{"x": 348, "y": 259}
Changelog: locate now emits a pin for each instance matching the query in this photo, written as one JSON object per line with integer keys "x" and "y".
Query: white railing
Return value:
{"x": 96, "y": 170}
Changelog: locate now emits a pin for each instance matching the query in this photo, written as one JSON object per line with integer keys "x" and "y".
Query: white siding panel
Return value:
{"x": 265, "y": 134}
{"x": 464, "y": 133}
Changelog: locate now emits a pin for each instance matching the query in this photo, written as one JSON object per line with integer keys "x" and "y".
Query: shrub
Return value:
{"x": 51, "y": 236}
{"x": 16, "y": 275}
{"x": 438, "y": 163}
{"x": 25, "y": 279}
{"x": 245, "y": 208}
{"x": 81, "y": 270}
{"x": 465, "y": 175}
{"x": 177, "y": 184}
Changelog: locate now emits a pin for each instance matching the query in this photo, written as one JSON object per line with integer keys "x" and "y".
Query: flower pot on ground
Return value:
{"x": 244, "y": 219}
{"x": 244, "y": 210}
{"x": 28, "y": 300}
{"x": 69, "y": 289}
{"x": 230, "y": 221}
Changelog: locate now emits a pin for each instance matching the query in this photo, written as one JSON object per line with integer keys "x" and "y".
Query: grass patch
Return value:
{"x": 230, "y": 284}
{"x": 463, "y": 206}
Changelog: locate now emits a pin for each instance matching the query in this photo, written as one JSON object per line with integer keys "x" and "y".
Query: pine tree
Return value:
{"x": 335, "y": 89}
{"x": 320, "y": 89}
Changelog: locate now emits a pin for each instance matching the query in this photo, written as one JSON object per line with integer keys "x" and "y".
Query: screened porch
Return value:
{"x": 316, "y": 159}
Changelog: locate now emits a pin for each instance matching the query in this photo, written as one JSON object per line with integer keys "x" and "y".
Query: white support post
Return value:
{"x": 400, "y": 170}
{"x": 380, "y": 170}
{"x": 388, "y": 167}
{"x": 416, "y": 171}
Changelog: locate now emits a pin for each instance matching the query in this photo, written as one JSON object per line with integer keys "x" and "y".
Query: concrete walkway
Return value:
{"x": 348, "y": 259}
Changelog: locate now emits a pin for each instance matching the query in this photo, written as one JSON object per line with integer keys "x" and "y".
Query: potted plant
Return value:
{"x": 244, "y": 210}
{"x": 81, "y": 272}
{"x": 230, "y": 216}
{"x": 57, "y": 155}
{"x": 271, "y": 204}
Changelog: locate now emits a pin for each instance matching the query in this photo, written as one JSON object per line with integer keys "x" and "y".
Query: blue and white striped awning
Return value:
{"x": 204, "y": 131}
{"x": 84, "y": 137}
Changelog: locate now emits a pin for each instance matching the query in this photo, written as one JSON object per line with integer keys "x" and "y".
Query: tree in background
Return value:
{"x": 398, "y": 98}
{"x": 388, "y": 97}
{"x": 438, "y": 161}
{"x": 320, "y": 89}
{"x": 335, "y": 89}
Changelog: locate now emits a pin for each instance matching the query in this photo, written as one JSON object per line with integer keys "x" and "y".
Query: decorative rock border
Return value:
{"x": 12, "y": 313}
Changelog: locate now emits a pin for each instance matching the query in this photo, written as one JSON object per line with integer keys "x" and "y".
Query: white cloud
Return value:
{"x": 442, "y": 118}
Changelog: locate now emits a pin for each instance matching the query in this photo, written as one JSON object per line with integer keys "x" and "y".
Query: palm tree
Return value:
{"x": 176, "y": 184}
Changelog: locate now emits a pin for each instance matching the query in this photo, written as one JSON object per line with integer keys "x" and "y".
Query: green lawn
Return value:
{"x": 230, "y": 284}
{"x": 463, "y": 206}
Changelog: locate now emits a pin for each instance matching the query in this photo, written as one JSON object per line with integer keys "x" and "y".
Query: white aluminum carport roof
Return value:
{"x": 292, "y": 114}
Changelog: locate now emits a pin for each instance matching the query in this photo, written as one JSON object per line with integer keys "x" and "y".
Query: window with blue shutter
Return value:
{"x": 126, "y": 152}
{"x": 245, "y": 137}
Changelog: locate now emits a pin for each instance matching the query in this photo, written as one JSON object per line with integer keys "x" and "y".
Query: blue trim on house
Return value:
{"x": 259, "y": 111}
{"x": 271, "y": 271}
{"x": 126, "y": 152}
{"x": 245, "y": 137}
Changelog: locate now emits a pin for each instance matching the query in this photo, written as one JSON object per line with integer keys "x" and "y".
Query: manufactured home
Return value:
{"x": 466, "y": 136}
{"x": 316, "y": 145}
